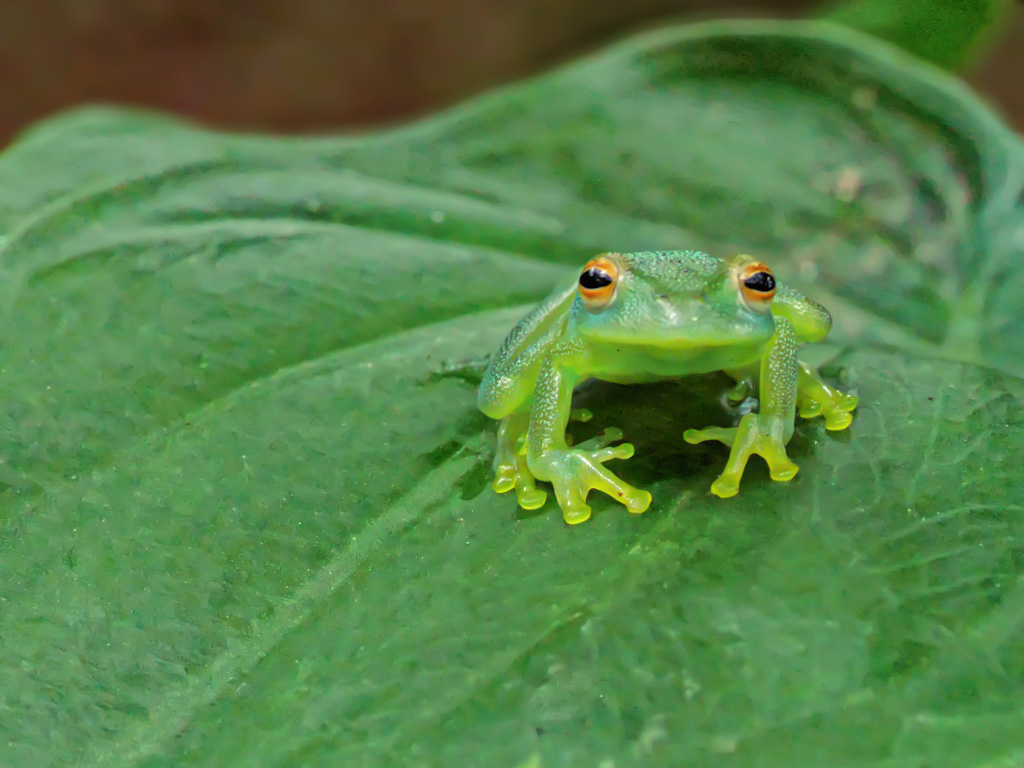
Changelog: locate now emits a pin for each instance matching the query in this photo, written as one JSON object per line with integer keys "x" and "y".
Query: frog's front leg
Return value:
{"x": 573, "y": 471}
{"x": 767, "y": 431}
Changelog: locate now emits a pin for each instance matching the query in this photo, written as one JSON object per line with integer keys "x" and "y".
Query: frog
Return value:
{"x": 632, "y": 318}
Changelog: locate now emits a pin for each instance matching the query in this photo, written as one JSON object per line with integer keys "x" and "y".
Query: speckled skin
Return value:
{"x": 672, "y": 313}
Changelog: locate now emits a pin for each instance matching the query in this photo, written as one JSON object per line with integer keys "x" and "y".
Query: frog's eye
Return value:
{"x": 597, "y": 282}
{"x": 758, "y": 285}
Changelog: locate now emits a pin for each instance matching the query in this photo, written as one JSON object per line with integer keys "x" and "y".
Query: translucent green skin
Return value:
{"x": 673, "y": 313}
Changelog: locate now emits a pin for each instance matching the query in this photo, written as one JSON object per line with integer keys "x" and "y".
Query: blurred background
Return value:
{"x": 319, "y": 66}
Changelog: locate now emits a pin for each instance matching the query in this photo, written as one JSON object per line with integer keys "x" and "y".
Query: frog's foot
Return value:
{"x": 574, "y": 472}
{"x": 581, "y": 414}
{"x": 816, "y": 398}
{"x": 578, "y": 415}
{"x": 755, "y": 434}
{"x": 825, "y": 401}
{"x": 743, "y": 389}
{"x": 511, "y": 471}
{"x": 606, "y": 438}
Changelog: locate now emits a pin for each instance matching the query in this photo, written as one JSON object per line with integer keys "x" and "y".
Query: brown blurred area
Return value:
{"x": 316, "y": 65}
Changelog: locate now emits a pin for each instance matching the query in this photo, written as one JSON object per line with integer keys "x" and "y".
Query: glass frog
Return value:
{"x": 640, "y": 317}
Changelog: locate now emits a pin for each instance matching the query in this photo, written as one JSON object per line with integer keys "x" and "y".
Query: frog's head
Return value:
{"x": 674, "y": 299}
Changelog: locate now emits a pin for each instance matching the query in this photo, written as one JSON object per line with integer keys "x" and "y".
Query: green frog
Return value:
{"x": 641, "y": 317}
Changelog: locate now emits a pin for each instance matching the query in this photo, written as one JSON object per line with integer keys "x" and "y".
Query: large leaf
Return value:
{"x": 245, "y": 517}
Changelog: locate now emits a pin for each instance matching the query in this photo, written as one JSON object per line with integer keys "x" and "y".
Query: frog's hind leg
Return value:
{"x": 745, "y": 384}
{"x": 816, "y": 398}
{"x": 510, "y": 470}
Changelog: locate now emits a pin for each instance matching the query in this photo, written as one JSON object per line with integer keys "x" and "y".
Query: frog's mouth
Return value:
{"x": 676, "y": 323}
{"x": 737, "y": 332}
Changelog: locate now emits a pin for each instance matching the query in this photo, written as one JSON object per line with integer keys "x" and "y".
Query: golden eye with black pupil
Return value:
{"x": 762, "y": 282}
{"x": 595, "y": 278}
{"x": 758, "y": 285}
{"x": 597, "y": 282}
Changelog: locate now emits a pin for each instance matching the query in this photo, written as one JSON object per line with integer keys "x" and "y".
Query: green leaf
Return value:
{"x": 946, "y": 32}
{"x": 245, "y": 517}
